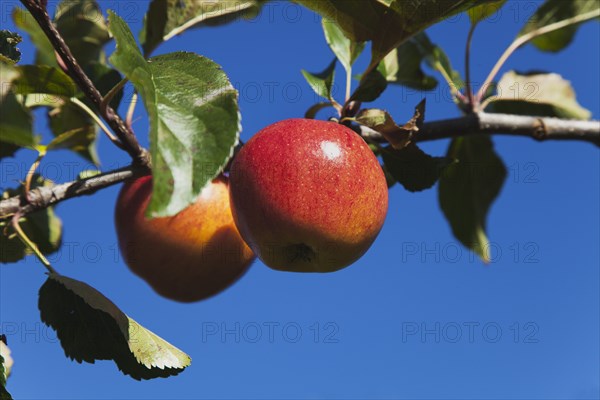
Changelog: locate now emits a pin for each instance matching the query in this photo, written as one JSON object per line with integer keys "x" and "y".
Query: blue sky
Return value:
{"x": 417, "y": 317}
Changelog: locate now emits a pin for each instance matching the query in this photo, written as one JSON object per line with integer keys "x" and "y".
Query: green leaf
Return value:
{"x": 403, "y": 66}
{"x": 8, "y": 74}
{"x": 45, "y": 52}
{"x": 43, "y": 79}
{"x": 8, "y": 45}
{"x": 543, "y": 94}
{"x": 553, "y": 11}
{"x": 437, "y": 59}
{"x": 382, "y": 122}
{"x": 398, "y": 136}
{"x": 194, "y": 118}
{"x": 322, "y": 83}
{"x": 90, "y": 327}
{"x": 346, "y": 50}
{"x": 83, "y": 28}
{"x": 387, "y": 23}
{"x": 370, "y": 87}
{"x": 484, "y": 11}
{"x": 75, "y": 128}
{"x": 167, "y": 18}
{"x": 77, "y": 139}
{"x": 413, "y": 168}
{"x": 15, "y": 125}
{"x": 468, "y": 188}
{"x": 43, "y": 227}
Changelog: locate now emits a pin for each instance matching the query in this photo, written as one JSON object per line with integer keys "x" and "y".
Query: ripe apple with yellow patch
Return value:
{"x": 187, "y": 257}
{"x": 308, "y": 195}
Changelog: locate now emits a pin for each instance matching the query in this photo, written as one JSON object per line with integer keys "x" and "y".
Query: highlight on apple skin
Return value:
{"x": 308, "y": 195}
{"x": 186, "y": 257}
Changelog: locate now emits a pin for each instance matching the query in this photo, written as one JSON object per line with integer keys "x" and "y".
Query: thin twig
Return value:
{"x": 348, "y": 84}
{"x": 32, "y": 169}
{"x": 97, "y": 120}
{"x": 130, "y": 111}
{"x": 46, "y": 196}
{"x": 469, "y": 87}
{"x": 111, "y": 93}
{"x": 539, "y": 128}
{"x": 27, "y": 242}
{"x": 521, "y": 40}
{"x": 472, "y": 124}
{"x": 440, "y": 68}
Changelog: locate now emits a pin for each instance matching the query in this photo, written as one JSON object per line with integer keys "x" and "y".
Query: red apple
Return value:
{"x": 308, "y": 195}
{"x": 189, "y": 256}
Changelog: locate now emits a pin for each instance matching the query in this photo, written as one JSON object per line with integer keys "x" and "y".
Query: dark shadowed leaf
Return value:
{"x": 104, "y": 78}
{"x": 90, "y": 327}
{"x": 77, "y": 139}
{"x": 387, "y": 23}
{"x": 322, "y": 83}
{"x": 468, "y": 188}
{"x": 44, "y": 86}
{"x": 43, "y": 79}
{"x": 370, "y": 87}
{"x": 76, "y": 129}
{"x": 403, "y": 66}
{"x": 194, "y": 118}
{"x": 437, "y": 59}
{"x": 484, "y": 11}
{"x": 346, "y": 50}
{"x": 7, "y": 150}
{"x": 43, "y": 227}
{"x": 84, "y": 29}
{"x": 553, "y": 11}
{"x": 7, "y": 75}
{"x": 413, "y": 168}
{"x": 537, "y": 94}
{"x": 80, "y": 23}
{"x": 389, "y": 179}
{"x": 167, "y": 18}
{"x": 68, "y": 121}
{"x": 8, "y": 46}
{"x": 44, "y": 50}
{"x": 16, "y": 124}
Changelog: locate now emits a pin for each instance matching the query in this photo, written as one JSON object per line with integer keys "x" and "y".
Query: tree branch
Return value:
{"x": 46, "y": 196}
{"x": 539, "y": 128}
{"x": 125, "y": 135}
{"x": 473, "y": 124}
